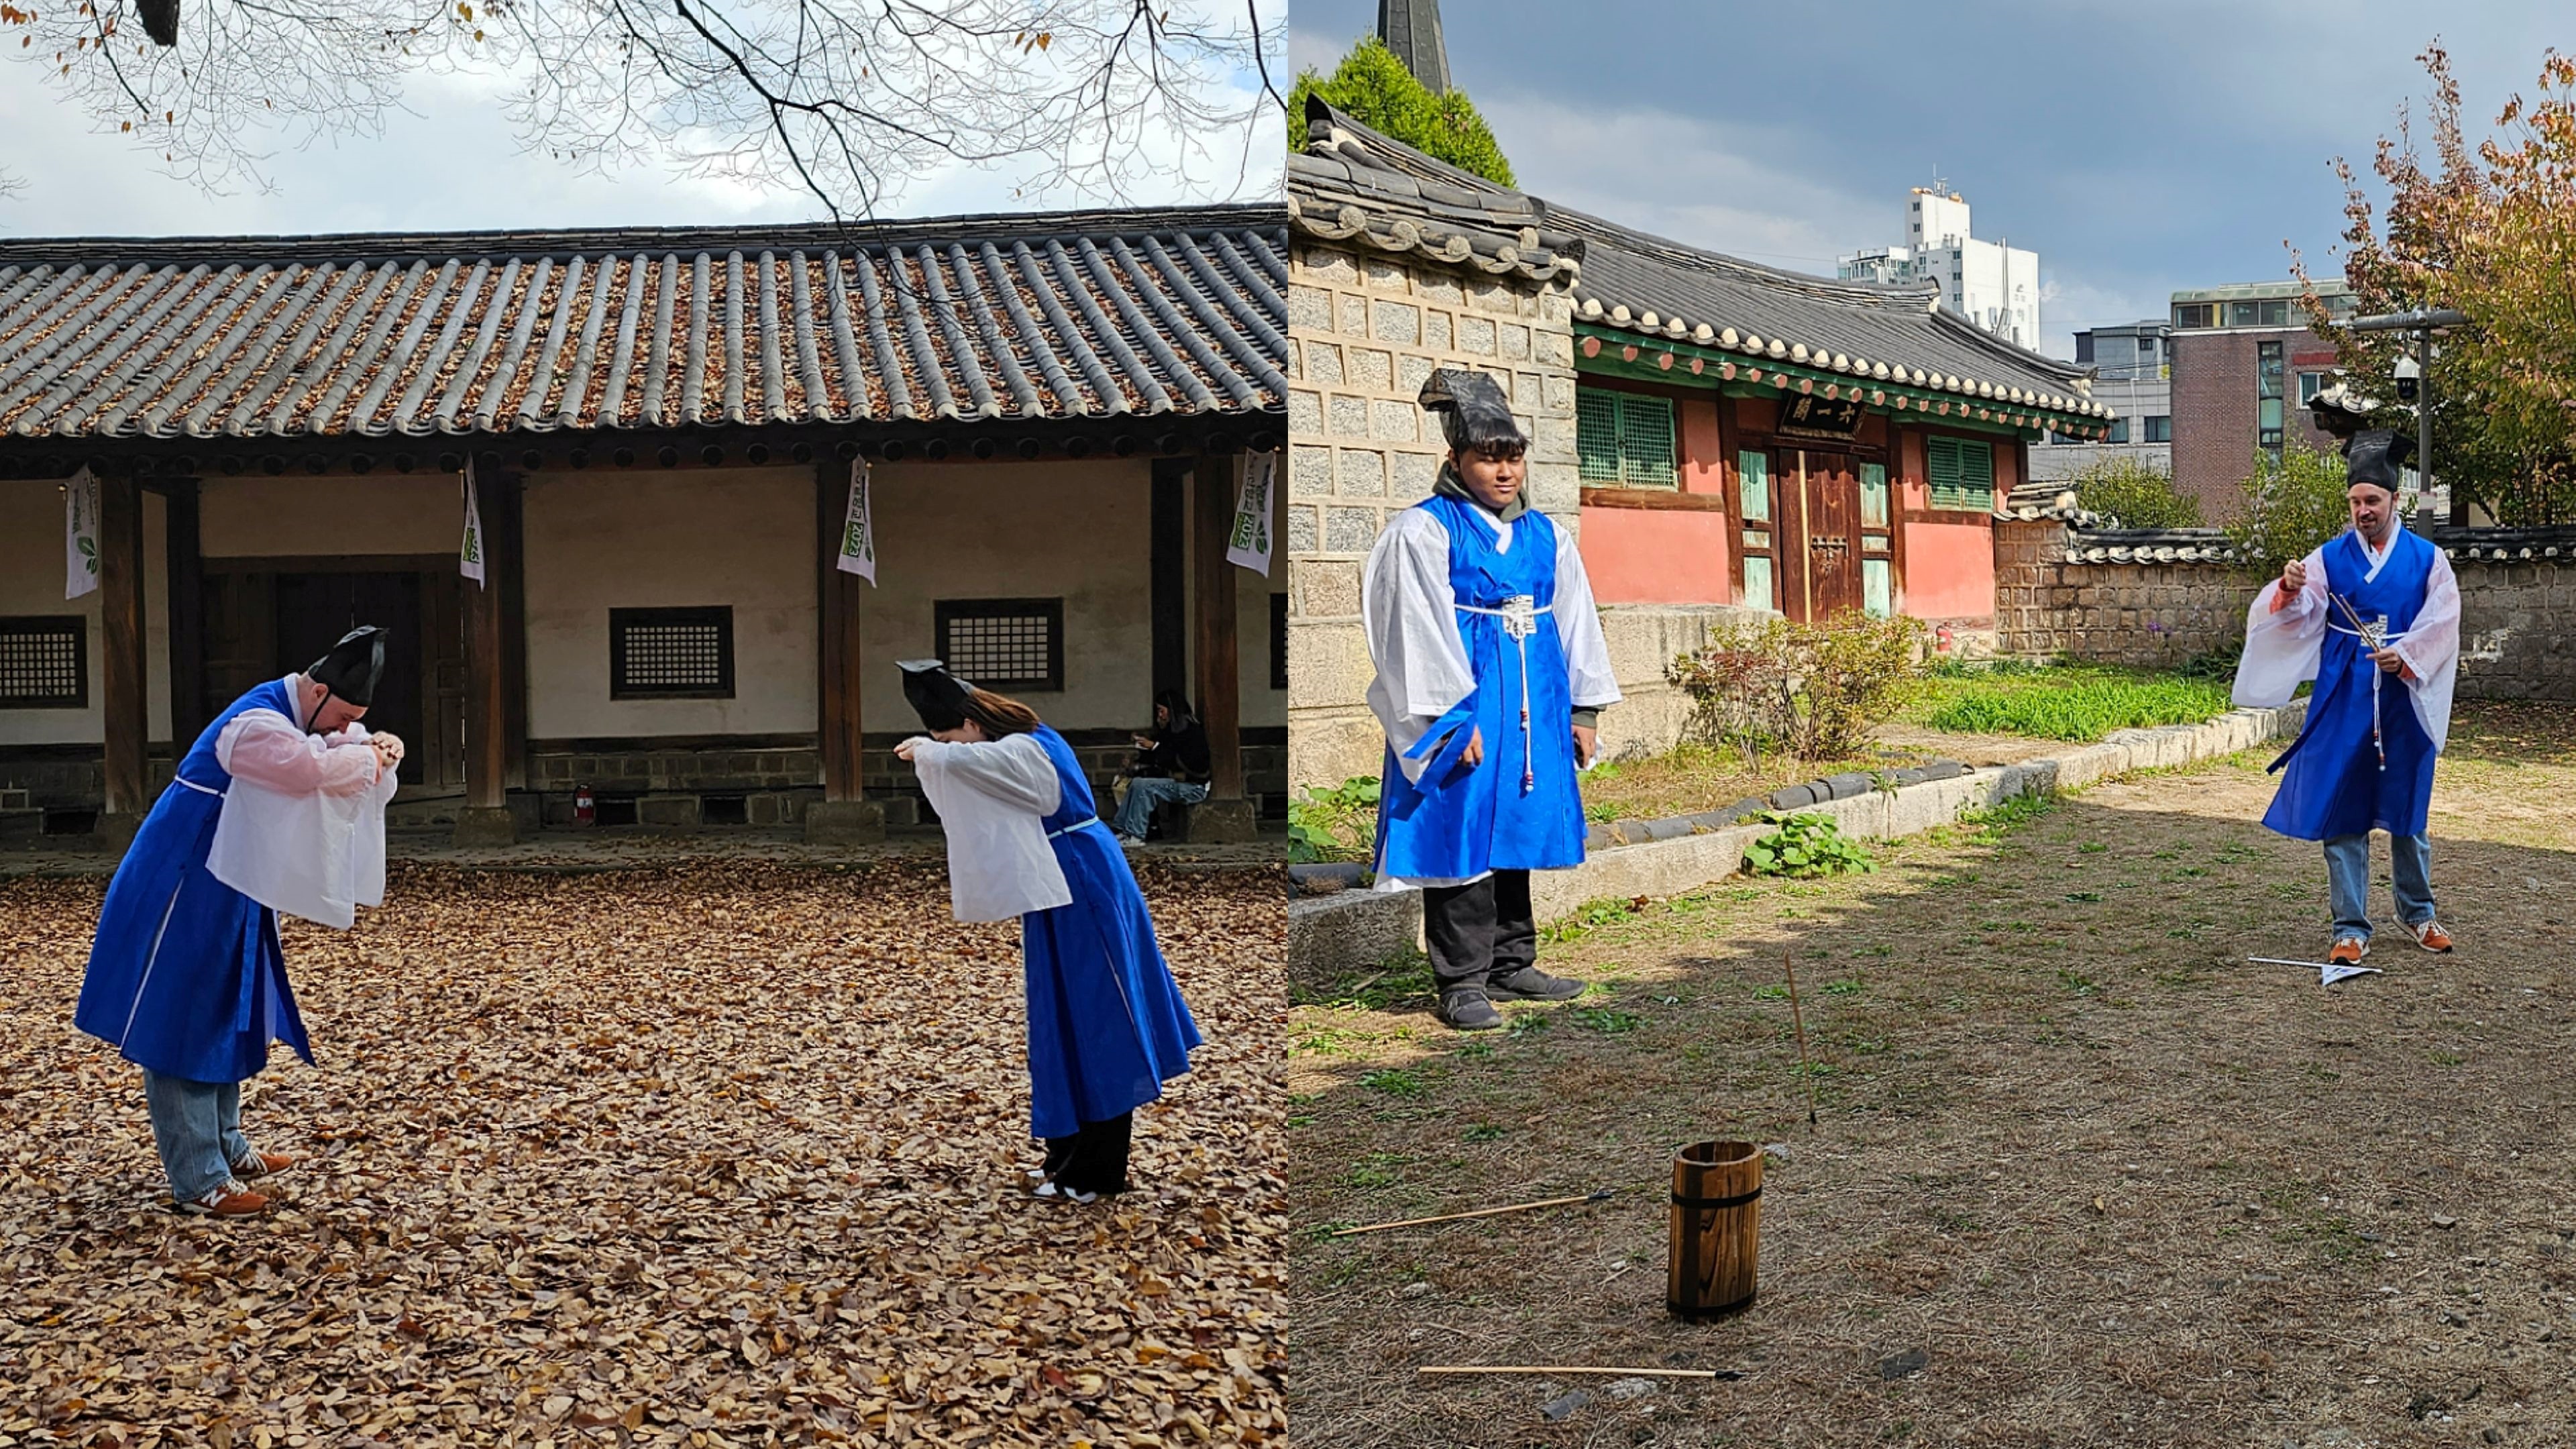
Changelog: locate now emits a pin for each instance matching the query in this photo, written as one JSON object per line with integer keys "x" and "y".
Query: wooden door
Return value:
{"x": 441, "y": 746}
{"x": 314, "y": 610}
{"x": 1829, "y": 489}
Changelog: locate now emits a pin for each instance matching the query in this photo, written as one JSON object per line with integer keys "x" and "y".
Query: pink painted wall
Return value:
{"x": 1656, "y": 556}
{"x": 1950, "y": 554}
{"x": 1667, "y": 555}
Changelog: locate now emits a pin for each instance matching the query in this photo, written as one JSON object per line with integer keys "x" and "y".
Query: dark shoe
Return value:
{"x": 1531, "y": 984}
{"x": 1469, "y": 1010}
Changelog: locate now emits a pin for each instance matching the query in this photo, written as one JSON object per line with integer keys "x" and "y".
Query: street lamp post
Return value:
{"x": 2422, "y": 322}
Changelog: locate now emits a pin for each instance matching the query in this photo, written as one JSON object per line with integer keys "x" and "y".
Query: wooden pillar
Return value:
{"x": 486, "y": 818}
{"x": 122, "y": 689}
{"x": 1226, "y": 815}
{"x": 844, "y": 815}
{"x": 505, "y": 533}
{"x": 189, "y": 712}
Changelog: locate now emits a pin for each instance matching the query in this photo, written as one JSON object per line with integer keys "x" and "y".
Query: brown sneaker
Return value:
{"x": 262, "y": 1164}
{"x": 2430, "y": 935}
{"x": 226, "y": 1199}
{"x": 2348, "y": 951}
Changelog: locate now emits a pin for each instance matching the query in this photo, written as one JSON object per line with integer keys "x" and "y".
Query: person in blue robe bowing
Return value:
{"x": 278, "y": 807}
{"x": 1107, "y": 1026}
{"x": 2373, "y": 617}
{"x": 1491, "y": 675}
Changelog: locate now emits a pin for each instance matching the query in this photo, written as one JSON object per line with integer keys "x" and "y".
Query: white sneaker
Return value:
{"x": 1058, "y": 1192}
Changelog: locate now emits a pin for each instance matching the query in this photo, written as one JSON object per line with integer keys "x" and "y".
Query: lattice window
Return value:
{"x": 44, "y": 662}
{"x": 1624, "y": 439}
{"x": 670, "y": 653}
{"x": 1003, "y": 644}
{"x": 1963, "y": 473}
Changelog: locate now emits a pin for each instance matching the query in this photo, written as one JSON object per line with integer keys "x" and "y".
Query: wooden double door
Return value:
{"x": 266, "y": 617}
{"x": 1834, "y": 538}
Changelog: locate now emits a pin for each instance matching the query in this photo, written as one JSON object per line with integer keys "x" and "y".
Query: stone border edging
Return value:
{"x": 1349, "y": 929}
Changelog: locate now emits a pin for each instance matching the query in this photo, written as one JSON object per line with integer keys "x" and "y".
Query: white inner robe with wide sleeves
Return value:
{"x": 2283, "y": 650}
{"x": 993, "y": 798}
{"x": 302, "y": 829}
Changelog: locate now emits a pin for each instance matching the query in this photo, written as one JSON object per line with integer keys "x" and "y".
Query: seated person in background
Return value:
{"x": 1171, "y": 764}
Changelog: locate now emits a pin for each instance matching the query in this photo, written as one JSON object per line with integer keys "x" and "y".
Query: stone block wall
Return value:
{"x": 2151, "y": 615}
{"x": 1365, "y": 330}
{"x": 2517, "y": 619}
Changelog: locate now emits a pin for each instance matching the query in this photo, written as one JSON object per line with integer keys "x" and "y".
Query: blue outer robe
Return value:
{"x": 1107, "y": 1026}
{"x": 2332, "y": 784}
{"x": 1456, "y": 822}
{"x": 186, "y": 977}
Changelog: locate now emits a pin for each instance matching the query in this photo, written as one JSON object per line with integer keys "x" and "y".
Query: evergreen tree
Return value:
{"x": 1375, "y": 89}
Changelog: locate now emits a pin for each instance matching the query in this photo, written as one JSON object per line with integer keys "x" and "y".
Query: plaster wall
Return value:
{"x": 31, "y": 584}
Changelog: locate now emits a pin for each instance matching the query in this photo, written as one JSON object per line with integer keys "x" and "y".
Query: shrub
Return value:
{"x": 2291, "y": 506}
{"x": 1374, "y": 88}
{"x": 1335, "y": 824}
{"x": 2135, "y": 494}
{"x": 1815, "y": 690}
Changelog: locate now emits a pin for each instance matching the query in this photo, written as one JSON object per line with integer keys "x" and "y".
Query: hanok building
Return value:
{"x": 1722, "y": 435}
{"x": 1056, "y": 412}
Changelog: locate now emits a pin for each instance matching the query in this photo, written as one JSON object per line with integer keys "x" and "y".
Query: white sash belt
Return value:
{"x": 1519, "y": 614}
{"x": 193, "y": 785}
{"x": 1077, "y": 825}
{"x": 2373, "y": 638}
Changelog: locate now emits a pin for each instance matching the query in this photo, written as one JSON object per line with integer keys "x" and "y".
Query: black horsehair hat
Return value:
{"x": 2374, "y": 457}
{"x": 939, "y": 697}
{"x": 1473, "y": 411}
{"x": 353, "y": 666}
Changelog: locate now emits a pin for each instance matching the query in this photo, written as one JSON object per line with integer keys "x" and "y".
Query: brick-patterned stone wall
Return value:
{"x": 2153, "y": 615}
{"x": 1365, "y": 330}
{"x": 2517, "y": 620}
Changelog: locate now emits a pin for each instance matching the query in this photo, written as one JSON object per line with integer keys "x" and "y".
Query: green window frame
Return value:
{"x": 1757, "y": 582}
{"x": 1877, "y": 588}
{"x": 1624, "y": 439}
{"x": 1962, "y": 473}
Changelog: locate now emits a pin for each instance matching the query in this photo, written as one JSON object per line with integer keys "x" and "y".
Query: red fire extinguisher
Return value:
{"x": 583, "y": 812}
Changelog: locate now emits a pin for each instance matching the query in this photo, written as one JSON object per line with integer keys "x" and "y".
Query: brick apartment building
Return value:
{"x": 2244, "y": 367}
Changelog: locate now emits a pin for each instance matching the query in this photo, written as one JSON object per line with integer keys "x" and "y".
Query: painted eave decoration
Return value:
{"x": 1174, "y": 313}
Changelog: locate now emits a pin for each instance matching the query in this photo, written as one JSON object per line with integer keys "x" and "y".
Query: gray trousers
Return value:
{"x": 197, "y": 1126}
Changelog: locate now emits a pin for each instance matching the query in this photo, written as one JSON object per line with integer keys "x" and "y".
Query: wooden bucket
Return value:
{"x": 1717, "y": 1228}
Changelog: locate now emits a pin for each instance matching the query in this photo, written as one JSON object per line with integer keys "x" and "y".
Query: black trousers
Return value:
{"x": 1479, "y": 932}
{"x": 1094, "y": 1158}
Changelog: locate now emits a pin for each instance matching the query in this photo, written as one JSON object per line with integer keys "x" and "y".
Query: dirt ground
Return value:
{"x": 2083, "y": 1176}
{"x": 724, "y": 1153}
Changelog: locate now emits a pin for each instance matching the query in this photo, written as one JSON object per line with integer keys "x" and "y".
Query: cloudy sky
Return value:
{"x": 2138, "y": 148}
{"x": 450, "y": 160}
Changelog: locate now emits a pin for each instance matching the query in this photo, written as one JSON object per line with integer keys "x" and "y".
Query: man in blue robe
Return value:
{"x": 1107, "y": 1026}
{"x": 1491, "y": 675}
{"x": 2373, "y": 617}
{"x": 277, "y": 807}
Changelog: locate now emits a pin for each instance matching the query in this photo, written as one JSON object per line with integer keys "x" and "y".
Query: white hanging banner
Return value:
{"x": 469, "y": 557}
{"x": 80, "y": 534}
{"x": 859, "y": 529}
{"x": 1247, "y": 543}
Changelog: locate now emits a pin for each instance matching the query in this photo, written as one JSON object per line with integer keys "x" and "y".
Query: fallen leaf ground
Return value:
{"x": 718, "y": 1154}
{"x": 2113, "y": 1184}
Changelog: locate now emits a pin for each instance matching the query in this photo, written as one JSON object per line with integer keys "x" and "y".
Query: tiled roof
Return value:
{"x": 1174, "y": 313}
{"x": 2507, "y": 545}
{"x": 2099, "y": 538}
{"x": 1888, "y": 335}
{"x": 1352, "y": 182}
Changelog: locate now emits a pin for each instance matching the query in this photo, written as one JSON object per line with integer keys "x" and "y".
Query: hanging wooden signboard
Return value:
{"x": 1812, "y": 415}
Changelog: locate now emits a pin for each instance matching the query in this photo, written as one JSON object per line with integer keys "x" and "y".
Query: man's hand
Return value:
{"x": 2389, "y": 661}
{"x": 1586, "y": 743}
{"x": 2294, "y": 579}
{"x": 1474, "y": 754}
{"x": 904, "y": 751}
{"x": 389, "y": 751}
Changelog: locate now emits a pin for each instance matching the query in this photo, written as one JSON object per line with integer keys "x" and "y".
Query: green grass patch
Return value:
{"x": 2079, "y": 702}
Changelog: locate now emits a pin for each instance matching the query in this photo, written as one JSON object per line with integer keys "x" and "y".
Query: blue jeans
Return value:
{"x": 2348, "y": 878}
{"x": 1145, "y": 795}
{"x": 197, "y": 1126}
